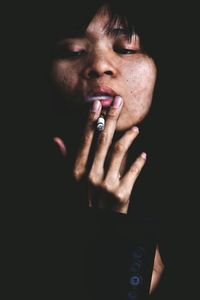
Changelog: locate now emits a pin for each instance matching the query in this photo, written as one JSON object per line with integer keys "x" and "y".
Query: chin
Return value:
{"x": 125, "y": 123}
{"x": 122, "y": 127}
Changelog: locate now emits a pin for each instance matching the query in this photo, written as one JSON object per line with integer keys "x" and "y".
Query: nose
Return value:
{"x": 99, "y": 65}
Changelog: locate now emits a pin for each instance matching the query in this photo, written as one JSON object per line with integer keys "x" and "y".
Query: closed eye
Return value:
{"x": 65, "y": 54}
{"x": 125, "y": 51}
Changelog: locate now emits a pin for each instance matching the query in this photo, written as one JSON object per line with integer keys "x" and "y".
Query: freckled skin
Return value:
{"x": 130, "y": 76}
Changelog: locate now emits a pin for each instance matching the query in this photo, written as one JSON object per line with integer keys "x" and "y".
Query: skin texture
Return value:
{"x": 93, "y": 60}
{"x": 132, "y": 76}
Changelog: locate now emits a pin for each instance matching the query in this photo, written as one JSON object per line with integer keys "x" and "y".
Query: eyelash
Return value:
{"x": 63, "y": 53}
{"x": 124, "y": 51}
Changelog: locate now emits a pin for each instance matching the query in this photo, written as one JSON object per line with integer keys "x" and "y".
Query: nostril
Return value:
{"x": 93, "y": 74}
{"x": 108, "y": 72}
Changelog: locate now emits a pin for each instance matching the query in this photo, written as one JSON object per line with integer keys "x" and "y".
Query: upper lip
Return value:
{"x": 101, "y": 90}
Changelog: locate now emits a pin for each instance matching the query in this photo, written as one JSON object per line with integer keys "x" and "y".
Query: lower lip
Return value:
{"x": 106, "y": 102}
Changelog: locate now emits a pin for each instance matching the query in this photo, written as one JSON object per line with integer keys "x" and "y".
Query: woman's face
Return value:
{"x": 101, "y": 64}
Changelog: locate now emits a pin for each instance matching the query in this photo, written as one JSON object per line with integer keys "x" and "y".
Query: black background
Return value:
{"x": 179, "y": 135}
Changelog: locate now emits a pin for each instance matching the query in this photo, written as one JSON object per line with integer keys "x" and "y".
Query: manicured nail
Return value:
{"x": 144, "y": 155}
{"x": 95, "y": 106}
{"x": 117, "y": 102}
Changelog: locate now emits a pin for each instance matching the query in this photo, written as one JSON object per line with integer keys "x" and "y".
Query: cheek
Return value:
{"x": 141, "y": 78}
{"x": 139, "y": 86}
{"x": 63, "y": 77}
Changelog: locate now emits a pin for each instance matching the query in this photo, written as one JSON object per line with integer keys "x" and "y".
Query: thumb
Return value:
{"x": 61, "y": 145}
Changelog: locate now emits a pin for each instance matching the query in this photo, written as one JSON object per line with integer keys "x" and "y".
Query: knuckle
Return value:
{"x": 93, "y": 179}
{"x": 106, "y": 186}
{"x": 78, "y": 173}
{"x": 103, "y": 138}
{"x": 119, "y": 148}
{"x": 121, "y": 197}
{"x": 112, "y": 114}
{"x": 86, "y": 139}
{"x": 135, "y": 169}
{"x": 92, "y": 116}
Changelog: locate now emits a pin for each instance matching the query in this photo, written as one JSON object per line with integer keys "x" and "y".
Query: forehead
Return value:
{"x": 98, "y": 23}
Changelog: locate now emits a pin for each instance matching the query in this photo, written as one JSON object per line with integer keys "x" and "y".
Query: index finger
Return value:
{"x": 105, "y": 138}
{"x": 83, "y": 152}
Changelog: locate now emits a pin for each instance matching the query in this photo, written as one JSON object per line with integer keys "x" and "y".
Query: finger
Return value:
{"x": 105, "y": 138}
{"x": 83, "y": 152}
{"x": 61, "y": 145}
{"x": 119, "y": 152}
{"x": 128, "y": 180}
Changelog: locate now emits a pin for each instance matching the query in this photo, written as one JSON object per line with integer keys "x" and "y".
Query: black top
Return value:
{"x": 57, "y": 247}
{"x": 78, "y": 252}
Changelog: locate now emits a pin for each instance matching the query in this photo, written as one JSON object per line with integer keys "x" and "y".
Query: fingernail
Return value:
{"x": 59, "y": 142}
{"x": 135, "y": 128}
{"x": 144, "y": 155}
{"x": 95, "y": 106}
{"x": 117, "y": 102}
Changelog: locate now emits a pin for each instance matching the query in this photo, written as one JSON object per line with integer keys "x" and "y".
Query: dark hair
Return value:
{"x": 61, "y": 20}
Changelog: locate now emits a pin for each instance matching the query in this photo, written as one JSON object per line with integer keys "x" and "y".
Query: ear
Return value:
{"x": 61, "y": 145}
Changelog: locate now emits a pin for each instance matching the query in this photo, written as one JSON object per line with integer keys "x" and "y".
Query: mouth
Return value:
{"x": 104, "y": 94}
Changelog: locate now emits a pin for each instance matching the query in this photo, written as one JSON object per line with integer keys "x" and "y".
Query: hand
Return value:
{"x": 108, "y": 187}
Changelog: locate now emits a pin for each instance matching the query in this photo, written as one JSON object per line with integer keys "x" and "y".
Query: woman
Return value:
{"x": 100, "y": 65}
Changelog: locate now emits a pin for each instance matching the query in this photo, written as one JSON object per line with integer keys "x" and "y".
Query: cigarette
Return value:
{"x": 100, "y": 123}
